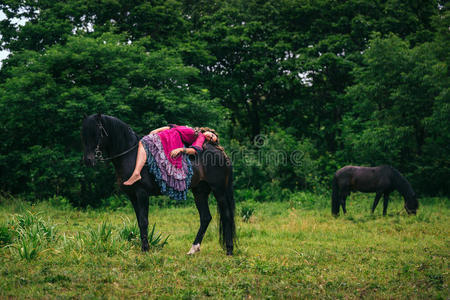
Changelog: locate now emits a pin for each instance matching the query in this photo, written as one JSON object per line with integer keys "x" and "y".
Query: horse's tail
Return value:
{"x": 335, "y": 197}
{"x": 226, "y": 208}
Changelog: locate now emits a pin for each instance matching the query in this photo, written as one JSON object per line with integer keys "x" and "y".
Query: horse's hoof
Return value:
{"x": 195, "y": 248}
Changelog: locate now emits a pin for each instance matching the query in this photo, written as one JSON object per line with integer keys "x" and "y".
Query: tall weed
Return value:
{"x": 33, "y": 235}
{"x": 129, "y": 231}
{"x": 247, "y": 210}
{"x": 101, "y": 239}
{"x": 155, "y": 239}
{"x": 6, "y": 236}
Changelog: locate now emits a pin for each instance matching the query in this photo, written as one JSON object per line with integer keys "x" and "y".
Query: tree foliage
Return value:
{"x": 46, "y": 96}
{"x": 360, "y": 82}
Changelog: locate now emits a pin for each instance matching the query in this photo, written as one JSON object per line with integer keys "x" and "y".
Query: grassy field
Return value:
{"x": 293, "y": 249}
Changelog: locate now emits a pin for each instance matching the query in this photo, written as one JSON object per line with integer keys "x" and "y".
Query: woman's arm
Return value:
{"x": 175, "y": 152}
{"x": 159, "y": 129}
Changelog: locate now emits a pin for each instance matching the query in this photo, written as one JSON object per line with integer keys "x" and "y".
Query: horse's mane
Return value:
{"x": 216, "y": 153}
{"x": 120, "y": 129}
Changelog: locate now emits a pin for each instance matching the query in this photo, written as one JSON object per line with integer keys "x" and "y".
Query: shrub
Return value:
{"x": 59, "y": 202}
{"x": 277, "y": 160}
{"x": 115, "y": 201}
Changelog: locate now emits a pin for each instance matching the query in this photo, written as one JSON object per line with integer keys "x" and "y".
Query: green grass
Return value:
{"x": 293, "y": 249}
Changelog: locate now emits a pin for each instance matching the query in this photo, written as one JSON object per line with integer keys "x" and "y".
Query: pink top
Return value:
{"x": 175, "y": 137}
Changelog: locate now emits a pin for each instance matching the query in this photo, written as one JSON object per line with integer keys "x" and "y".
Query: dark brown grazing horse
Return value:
{"x": 108, "y": 136}
{"x": 381, "y": 180}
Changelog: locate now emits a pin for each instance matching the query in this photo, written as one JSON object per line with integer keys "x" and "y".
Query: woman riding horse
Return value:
{"x": 164, "y": 146}
{"x": 166, "y": 172}
{"x": 162, "y": 149}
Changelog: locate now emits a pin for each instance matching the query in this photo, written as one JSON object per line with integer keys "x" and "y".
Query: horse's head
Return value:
{"x": 92, "y": 136}
{"x": 411, "y": 204}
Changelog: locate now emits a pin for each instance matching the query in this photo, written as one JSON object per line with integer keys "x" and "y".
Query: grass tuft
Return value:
{"x": 155, "y": 240}
{"x": 247, "y": 210}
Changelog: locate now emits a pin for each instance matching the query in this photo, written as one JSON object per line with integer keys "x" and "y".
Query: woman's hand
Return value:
{"x": 175, "y": 152}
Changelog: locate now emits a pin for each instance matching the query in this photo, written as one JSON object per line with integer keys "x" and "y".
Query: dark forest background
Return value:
{"x": 325, "y": 83}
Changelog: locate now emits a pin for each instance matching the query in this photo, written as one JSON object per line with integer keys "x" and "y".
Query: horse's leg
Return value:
{"x": 343, "y": 203}
{"x": 385, "y": 203}
{"x": 375, "y": 201}
{"x": 140, "y": 204}
{"x": 201, "y": 193}
{"x": 342, "y": 199}
{"x": 335, "y": 198}
{"x": 226, "y": 218}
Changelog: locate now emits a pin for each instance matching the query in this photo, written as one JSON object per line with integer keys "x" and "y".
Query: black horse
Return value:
{"x": 381, "y": 180}
{"x": 108, "y": 136}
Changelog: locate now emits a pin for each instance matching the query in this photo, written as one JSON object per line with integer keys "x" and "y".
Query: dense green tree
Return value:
{"x": 52, "y": 22}
{"x": 289, "y": 62}
{"x": 45, "y": 98}
{"x": 352, "y": 81}
{"x": 396, "y": 94}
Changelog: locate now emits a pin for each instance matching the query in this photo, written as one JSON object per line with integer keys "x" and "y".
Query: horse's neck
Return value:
{"x": 120, "y": 136}
{"x": 402, "y": 185}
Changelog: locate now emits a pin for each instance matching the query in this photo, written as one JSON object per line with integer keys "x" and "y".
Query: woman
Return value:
{"x": 162, "y": 150}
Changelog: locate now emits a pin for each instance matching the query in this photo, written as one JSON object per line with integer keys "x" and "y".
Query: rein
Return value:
{"x": 98, "y": 151}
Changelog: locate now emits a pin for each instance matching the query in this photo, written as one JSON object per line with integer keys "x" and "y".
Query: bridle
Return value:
{"x": 98, "y": 152}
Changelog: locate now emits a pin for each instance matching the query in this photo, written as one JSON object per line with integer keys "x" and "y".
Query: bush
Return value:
{"x": 59, "y": 202}
{"x": 115, "y": 201}
{"x": 274, "y": 161}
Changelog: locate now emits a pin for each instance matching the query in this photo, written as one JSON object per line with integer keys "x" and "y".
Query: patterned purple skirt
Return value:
{"x": 173, "y": 182}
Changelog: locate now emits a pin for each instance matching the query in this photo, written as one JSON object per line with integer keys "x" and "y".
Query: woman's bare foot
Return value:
{"x": 132, "y": 179}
